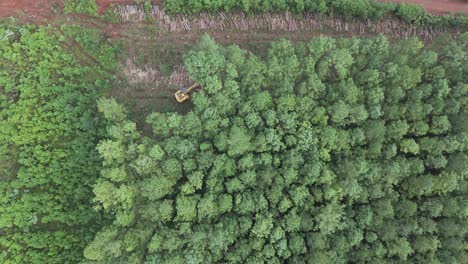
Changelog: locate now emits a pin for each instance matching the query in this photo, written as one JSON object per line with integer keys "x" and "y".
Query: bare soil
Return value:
{"x": 104, "y": 4}
{"x": 34, "y": 10}
{"x": 37, "y": 10}
{"x": 438, "y": 7}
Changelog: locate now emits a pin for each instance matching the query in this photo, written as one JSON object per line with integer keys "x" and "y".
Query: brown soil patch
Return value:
{"x": 438, "y": 7}
{"x": 34, "y": 10}
{"x": 104, "y": 4}
{"x": 37, "y": 10}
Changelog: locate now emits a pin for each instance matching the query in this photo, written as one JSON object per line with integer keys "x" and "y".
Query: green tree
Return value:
{"x": 334, "y": 151}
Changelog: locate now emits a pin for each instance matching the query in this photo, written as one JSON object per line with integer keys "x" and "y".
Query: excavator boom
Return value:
{"x": 184, "y": 94}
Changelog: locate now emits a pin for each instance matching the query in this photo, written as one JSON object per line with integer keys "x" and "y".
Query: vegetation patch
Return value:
{"x": 334, "y": 151}
{"x": 48, "y": 137}
{"x": 88, "y": 7}
{"x": 349, "y": 9}
{"x": 331, "y": 150}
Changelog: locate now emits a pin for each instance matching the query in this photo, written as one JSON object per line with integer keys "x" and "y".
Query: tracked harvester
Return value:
{"x": 185, "y": 93}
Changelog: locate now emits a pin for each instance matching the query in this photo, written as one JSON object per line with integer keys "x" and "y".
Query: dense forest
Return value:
{"x": 48, "y": 136}
{"x": 333, "y": 151}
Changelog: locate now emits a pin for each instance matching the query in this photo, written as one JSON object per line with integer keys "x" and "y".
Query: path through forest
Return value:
{"x": 50, "y": 12}
{"x": 177, "y": 34}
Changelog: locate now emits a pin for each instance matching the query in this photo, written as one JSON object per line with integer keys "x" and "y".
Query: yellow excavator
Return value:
{"x": 184, "y": 93}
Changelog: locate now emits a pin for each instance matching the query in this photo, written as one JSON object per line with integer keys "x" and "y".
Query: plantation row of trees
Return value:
{"x": 48, "y": 137}
{"x": 332, "y": 151}
{"x": 363, "y": 9}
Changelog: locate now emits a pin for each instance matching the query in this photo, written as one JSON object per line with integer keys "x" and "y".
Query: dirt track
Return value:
{"x": 38, "y": 10}
{"x": 35, "y": 10}
{"x": 438, "y": 7}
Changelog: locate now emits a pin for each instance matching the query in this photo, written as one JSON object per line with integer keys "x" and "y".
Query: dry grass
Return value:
{"x": 283, "y": 21}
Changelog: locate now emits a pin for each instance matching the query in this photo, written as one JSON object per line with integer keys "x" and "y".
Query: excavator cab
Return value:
{"x": 184, "y": 93}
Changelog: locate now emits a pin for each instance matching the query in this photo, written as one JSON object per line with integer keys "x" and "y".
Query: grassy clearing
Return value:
{"x": 142, "y": 99}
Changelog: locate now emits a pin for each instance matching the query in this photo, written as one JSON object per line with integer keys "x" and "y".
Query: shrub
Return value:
{"x": 88, "y": 7}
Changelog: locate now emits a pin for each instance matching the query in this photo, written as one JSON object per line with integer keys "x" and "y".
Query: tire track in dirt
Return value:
{"x": 73, "y": 43}
{"x": 65, "y": 45}
{"x": 77, "y": 49}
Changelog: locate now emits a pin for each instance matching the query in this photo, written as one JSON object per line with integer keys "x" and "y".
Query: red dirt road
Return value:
{"x": 438, "y": 7}
{"x": 36, "y": 10}
{"x": 33, "y": 9}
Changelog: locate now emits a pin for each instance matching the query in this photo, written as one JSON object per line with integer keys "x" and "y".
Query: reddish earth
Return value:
{"x": 438, "y": 7}
{"x": 104, "y": 4}
{"x": 36, "y": 10}
{"x": 30, "y": 9}
{"x": 39, "y": 9}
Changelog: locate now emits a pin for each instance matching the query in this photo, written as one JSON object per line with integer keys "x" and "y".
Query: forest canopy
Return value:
{"x": 332, "y": 151}
{"x": 48, "y": 137}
